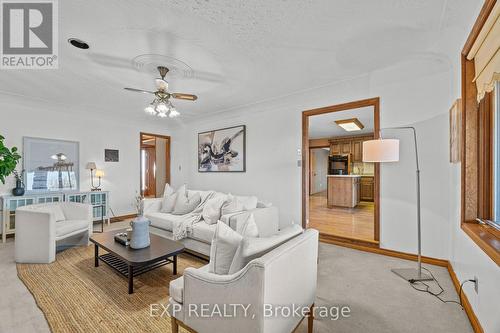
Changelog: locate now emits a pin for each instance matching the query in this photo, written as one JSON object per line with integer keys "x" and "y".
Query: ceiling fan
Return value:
{"x": 161, "y": 105}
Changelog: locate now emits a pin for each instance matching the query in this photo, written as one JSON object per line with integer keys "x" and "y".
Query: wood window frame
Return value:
{"x": 477, "y": 151}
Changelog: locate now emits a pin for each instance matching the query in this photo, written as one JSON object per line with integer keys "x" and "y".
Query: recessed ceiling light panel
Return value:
{"x": 350, "y": 125}
{"x": 78, "y": 43}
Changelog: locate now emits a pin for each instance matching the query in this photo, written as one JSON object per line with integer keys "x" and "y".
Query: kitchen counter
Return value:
{"x": 343, "y": 190}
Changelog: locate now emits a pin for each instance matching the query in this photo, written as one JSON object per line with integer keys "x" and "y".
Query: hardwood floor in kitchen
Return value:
{"x": 354, "y": 223}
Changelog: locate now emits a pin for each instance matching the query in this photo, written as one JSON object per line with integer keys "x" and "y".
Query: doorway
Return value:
{"x": 340, "y": 195}
{"x": 155, "y": 164}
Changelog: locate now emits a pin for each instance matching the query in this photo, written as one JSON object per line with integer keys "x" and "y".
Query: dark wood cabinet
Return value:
{"x": 349, "y": 145}
{"x": 357, "y": 150}
{"x": 345, "y": 147}
{"x": 367, "y": 188}
{"x": 334, "y": 148}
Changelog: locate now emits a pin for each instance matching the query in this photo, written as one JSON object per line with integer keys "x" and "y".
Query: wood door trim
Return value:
{"x": 375, "y": 102}
{"x": 168, "y": 156}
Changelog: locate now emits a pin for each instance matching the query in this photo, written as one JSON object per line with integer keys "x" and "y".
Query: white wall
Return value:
{"x": 94, "y": 133}
{"x": 320, "y": 169}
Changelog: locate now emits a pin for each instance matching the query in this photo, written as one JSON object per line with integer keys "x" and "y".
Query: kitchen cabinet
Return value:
{"x": 334, "y": 148}
{"x": 367, "y": 188}
{"x": 349, "y": 145}
{"x": 357, "y": 150}
{"x": 343, "y": 191}
{"x": 345, "y": 147}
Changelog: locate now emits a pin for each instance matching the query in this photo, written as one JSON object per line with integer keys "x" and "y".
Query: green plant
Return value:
{"x": 8, "y": 160}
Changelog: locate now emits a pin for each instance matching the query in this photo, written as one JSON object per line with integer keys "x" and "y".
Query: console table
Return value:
{"x": 9, "y": 203}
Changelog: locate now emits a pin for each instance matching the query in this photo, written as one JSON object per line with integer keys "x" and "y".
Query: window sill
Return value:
{"x": 487, "y": 238}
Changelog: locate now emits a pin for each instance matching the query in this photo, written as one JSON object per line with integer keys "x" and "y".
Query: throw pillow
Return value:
{"x": 224, "y": 245}
{"x": 168, "y": 190}
{"x": 212, "y": 209}
{"x": 168, "y": 203}
{"x": 185, "y": 205}
{"x": 248, "y": 228}
{"x": 251, "y": 248}
{"x": 232, "y": 205}
{"x": 248, "y": 203}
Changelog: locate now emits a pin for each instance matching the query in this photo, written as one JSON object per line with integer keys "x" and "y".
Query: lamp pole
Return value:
{"x": 409, "y": 273}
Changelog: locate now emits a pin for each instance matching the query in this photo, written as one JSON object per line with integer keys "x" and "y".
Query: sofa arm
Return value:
{"x": 152, "y": 205}
{"x": 208, "y": 290}
{"x": 267, "y": 220}
{"x": 35, "y": 236}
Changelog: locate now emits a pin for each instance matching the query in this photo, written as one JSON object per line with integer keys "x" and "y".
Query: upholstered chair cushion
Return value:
{"x": 56, "y": 210}
{"x": 251, "y": 247}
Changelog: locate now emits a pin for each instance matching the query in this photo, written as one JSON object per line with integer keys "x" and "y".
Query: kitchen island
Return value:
{"x": 343, "y": 190}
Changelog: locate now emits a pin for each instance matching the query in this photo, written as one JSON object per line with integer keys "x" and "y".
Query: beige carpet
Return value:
{"x": 75, "y": 296}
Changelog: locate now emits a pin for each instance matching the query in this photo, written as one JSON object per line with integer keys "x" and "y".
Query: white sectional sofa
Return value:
{"x": 199, "y": 240}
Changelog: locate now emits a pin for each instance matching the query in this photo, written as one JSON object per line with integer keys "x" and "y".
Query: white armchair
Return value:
{"x": 40, "y": 227}
{"x": 286, "y": 276}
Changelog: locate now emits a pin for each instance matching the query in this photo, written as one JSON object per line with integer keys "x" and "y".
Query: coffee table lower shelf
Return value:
{"x": 130, "y": 271}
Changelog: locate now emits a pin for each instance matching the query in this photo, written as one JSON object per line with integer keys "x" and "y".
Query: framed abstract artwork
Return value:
{"x": 50, "y": 165}
{"x": 222, "y": 150}
{"x": 456, "y": 131}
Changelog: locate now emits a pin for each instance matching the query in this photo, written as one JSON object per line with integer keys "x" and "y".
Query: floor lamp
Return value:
{"x": 387, "y": 150}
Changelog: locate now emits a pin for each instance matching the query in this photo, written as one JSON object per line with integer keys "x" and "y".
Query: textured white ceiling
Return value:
{"x": 324, "y": 126}
{"x": 241, "y": 52}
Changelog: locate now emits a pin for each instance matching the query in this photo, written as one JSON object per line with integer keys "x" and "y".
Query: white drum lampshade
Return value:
{"x": 381, "y": 150}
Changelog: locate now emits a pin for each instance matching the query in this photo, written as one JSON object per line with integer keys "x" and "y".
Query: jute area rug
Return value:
{"x": 75, "y": 296}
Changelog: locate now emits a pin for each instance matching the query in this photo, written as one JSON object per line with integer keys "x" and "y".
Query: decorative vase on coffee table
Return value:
{"x": 140, "y": 233}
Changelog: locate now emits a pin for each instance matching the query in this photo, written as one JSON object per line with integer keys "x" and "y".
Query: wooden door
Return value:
{"x": 312, "y": 186}
{"x": 148, "y": 155}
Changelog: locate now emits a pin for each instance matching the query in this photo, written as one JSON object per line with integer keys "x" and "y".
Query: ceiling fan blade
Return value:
{"x": 140, "y": 90}
{"x": 185, "y": 96}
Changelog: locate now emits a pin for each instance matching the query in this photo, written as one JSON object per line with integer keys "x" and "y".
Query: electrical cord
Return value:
{"x": 428, "y": 290}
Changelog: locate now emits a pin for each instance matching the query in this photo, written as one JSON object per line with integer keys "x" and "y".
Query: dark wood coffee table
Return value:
{"x": 129, "y": 262}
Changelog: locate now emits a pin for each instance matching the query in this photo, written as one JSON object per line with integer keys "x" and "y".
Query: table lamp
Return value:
{"x": 99, "y": 174}
{"x": 387, "y": 150}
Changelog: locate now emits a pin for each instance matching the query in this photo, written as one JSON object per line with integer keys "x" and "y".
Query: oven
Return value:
{"x": 339, "y": 164}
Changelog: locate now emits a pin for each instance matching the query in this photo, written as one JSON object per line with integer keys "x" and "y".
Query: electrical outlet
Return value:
{"x": 476, "y": 284}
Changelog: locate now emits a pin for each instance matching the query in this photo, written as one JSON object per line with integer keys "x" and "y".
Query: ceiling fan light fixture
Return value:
{"x": 173, "y": 113}
{"x": 162, "y": 114}
{"x": 150, "y": 109}
{"x": 162, "y": 108}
